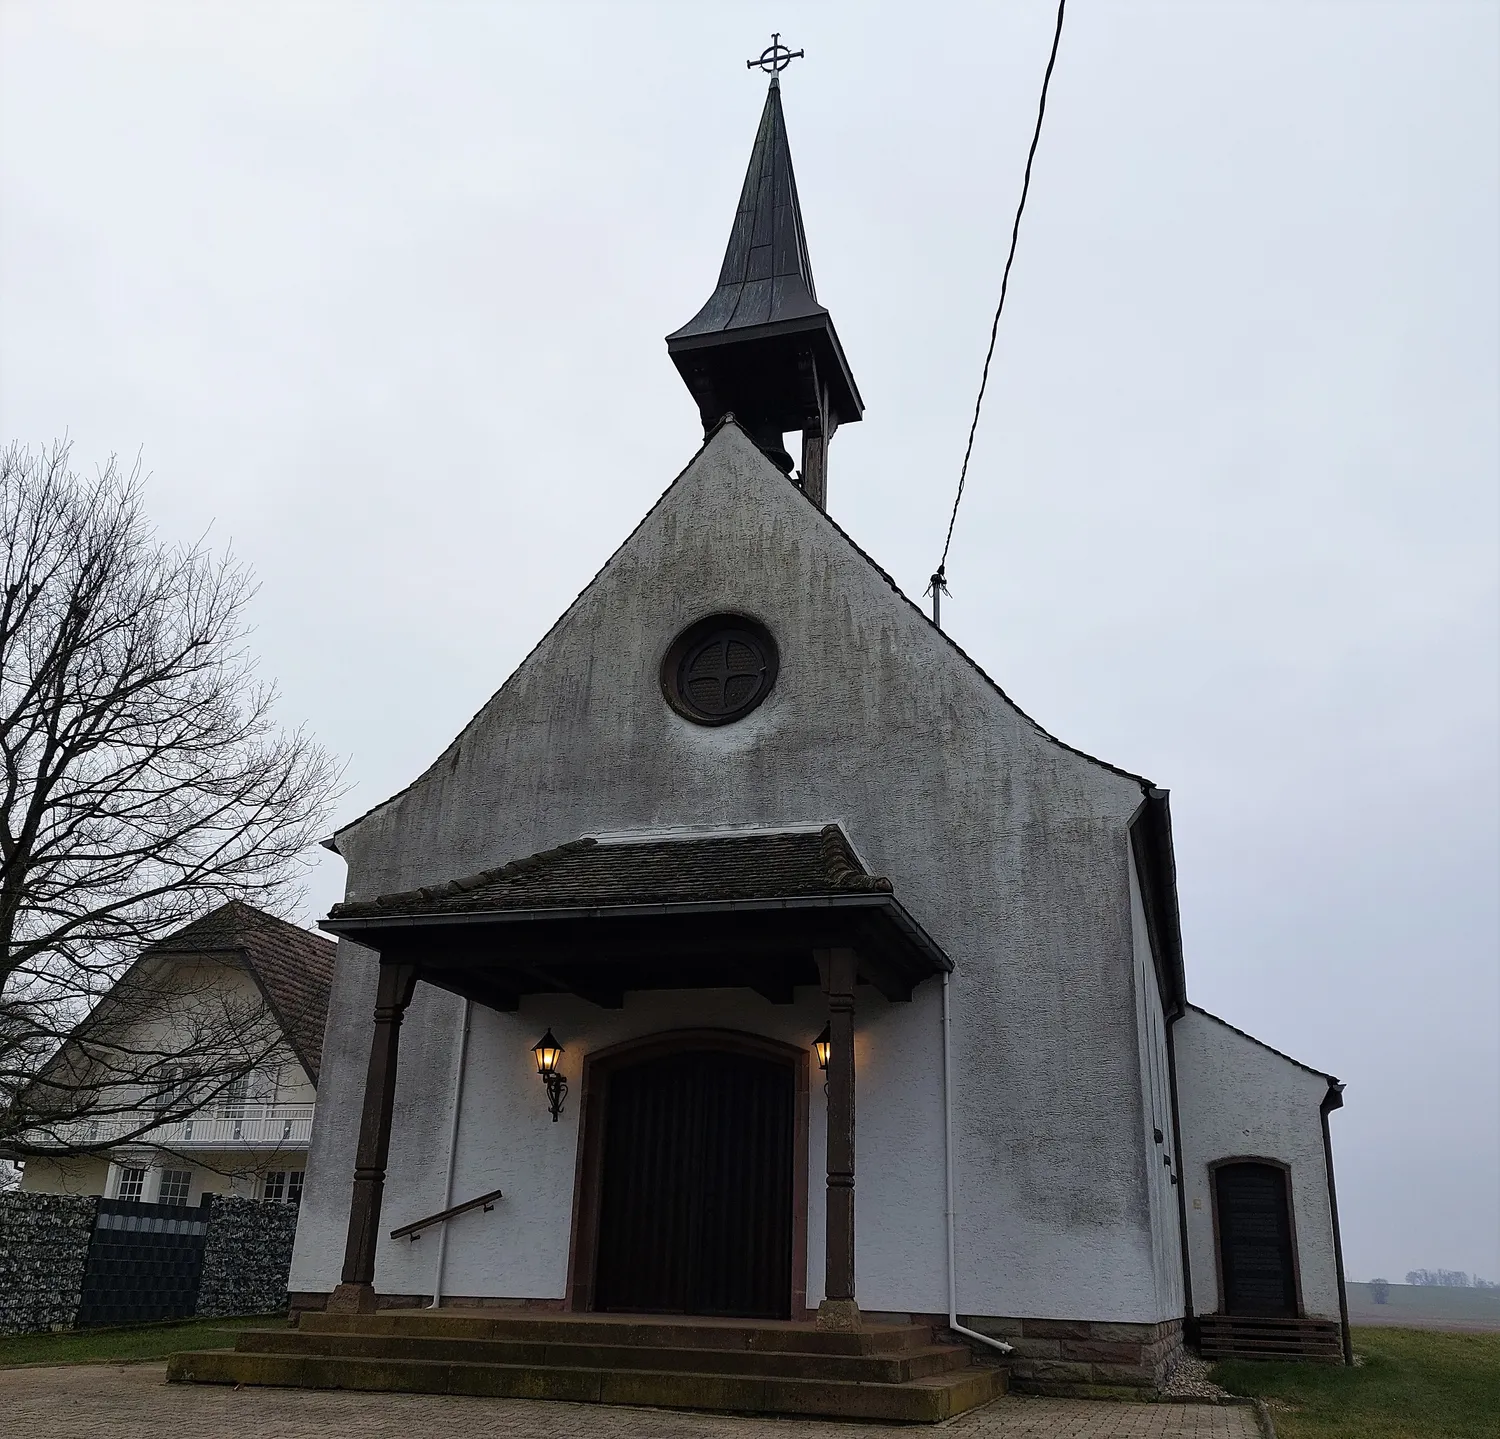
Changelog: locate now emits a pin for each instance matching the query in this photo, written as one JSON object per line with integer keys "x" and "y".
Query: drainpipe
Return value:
{"x": 949, "y": 1213}
{"x": 1334, "y": 1099}
{"x": 1189, "y": 1319}
{"x": 458, "y": 1099}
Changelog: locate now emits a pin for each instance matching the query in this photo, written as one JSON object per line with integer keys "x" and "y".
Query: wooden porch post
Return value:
{"x": 838, "y": 1309}
{"x": 356, "y": 1294}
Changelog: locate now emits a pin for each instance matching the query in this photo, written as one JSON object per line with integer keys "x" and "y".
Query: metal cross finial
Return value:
{"x": 775, "y": 57}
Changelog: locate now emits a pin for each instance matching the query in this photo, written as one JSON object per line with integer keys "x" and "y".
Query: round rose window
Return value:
{"x": 719, "y": 669}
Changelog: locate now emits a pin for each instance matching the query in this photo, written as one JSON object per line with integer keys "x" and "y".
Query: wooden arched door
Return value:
{"x": 1257, "y": 1258}
{"x": 696, "y": 1184}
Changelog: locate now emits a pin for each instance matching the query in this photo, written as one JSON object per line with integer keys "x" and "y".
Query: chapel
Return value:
{"x": 753, "y": 1008}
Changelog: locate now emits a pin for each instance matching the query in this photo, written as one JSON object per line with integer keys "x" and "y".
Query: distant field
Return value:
{"x": 1423, "y": 1306}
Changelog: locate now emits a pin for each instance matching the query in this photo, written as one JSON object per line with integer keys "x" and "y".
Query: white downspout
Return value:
{"x": 950, "y": 1213}
{"x": 458, "y": 1099}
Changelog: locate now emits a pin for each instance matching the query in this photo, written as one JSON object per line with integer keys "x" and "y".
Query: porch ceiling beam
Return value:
{"x": 474, "y": 984}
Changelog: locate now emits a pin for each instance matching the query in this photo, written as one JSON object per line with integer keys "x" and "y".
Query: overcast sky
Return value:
{"x": 378, "y": 294}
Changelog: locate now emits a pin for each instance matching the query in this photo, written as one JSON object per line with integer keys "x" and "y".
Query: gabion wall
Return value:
{"x": 44, "y": 1245}
{"x": 248, "y": 1257}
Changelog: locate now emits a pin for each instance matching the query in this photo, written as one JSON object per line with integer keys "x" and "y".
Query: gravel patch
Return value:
{"x": 1189, "y": 1380}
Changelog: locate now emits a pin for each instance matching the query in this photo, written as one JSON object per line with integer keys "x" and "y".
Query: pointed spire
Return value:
{"x": 766, "y": 275}
{"x": 762, "y": 347}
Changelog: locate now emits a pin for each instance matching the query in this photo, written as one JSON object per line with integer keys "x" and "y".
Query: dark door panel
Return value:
{"x": 696, "y": 1199}
{"x": 1255, "y": 1240}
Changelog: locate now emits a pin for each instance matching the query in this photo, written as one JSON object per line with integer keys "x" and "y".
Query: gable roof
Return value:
{"x": 1321, "y": 1073}
{"x": 588, "y": 873}
{"x": 729, "y": 422}
{"x": 292, "y": 966}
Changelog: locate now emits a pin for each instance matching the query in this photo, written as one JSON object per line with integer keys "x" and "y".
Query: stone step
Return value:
{"x": 581, "y": 1351}
{"x": 920, "y": 1401}
{"x": 782, "y": 1336}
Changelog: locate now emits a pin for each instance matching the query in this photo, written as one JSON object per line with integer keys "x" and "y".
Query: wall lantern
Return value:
{"x": 821, "y": 1045}
{"x": 548, "y": 1051}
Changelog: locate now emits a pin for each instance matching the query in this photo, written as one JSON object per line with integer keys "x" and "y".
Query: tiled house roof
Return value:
{"x": 587, "y": 872}
{"x": 292, "y": 966}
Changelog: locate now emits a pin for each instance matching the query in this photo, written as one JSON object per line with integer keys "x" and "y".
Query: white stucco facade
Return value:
{"x": 1239, "y": 1099}
{"x": 1010, "y": 849}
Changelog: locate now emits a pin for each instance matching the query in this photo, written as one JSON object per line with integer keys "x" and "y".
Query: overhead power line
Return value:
{"x": 939, "y": 579}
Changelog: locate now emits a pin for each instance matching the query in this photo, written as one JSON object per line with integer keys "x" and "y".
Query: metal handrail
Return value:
{"x": 414, "y": 1231}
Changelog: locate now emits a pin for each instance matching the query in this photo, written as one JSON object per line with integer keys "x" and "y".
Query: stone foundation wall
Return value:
{"x": 44, "y": 1246}
{"x": 1081, "y": 1357}
{"x": 247, "y": 1257}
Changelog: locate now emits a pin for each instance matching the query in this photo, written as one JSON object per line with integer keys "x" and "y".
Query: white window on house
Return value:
{"x": 282, "y": 1186}
{"x": 234, "y": 1096}
{"x": 170, "y": 1091}
{"x": 242, "y": 1096}
{"x": 175, "y": 1184}
{"x": 132, "y": 1184}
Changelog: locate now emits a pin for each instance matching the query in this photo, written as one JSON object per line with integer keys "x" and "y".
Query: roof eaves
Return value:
{"x": 310, "y": 1067}
{"x": 969, "y": 660}
{"x": 354, "y": 924}
{"x": 332, "y": 841}
{"x": 1280, "y": 1054}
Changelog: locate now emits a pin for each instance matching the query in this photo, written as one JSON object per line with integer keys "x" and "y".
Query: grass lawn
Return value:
{"x": 138, "y": 1341}
{"x": 1413, "y": 1384}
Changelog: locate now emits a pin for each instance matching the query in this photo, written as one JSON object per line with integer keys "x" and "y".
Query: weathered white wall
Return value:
{"x": 1008, "y": 847}
{"x": 1237, "y": 1099}
{"x": 1156, "y": 1116}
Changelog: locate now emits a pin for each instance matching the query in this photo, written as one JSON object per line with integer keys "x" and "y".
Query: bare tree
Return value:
{"x": 143, "y": 782}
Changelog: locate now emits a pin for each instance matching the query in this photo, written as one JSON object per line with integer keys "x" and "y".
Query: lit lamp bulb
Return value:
{"x": 821, "y": 1045}
{"x": 548, "y": 1051}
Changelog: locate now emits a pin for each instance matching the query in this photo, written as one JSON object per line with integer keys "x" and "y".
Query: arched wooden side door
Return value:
{"x": 696, "y": 1192}
{"x": 1257, "y": 1259}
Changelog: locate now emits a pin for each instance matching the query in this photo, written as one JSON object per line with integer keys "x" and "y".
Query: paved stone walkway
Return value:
{"x": 134, "y": 1401}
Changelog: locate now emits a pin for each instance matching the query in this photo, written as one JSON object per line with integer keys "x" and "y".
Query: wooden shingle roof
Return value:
{"x": 588, "y": 872}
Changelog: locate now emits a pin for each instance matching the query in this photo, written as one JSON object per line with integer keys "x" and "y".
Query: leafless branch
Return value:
{"x": 143, "y": 782}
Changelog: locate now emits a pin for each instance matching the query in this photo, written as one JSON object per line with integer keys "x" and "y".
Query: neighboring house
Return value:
{"x": 251, "y": 1138}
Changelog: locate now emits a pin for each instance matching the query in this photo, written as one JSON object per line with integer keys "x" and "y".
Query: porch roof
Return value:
{"x": 598, "y": 918}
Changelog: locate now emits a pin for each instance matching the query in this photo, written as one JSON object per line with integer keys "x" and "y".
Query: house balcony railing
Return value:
{"x": 224, "y": 1126}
